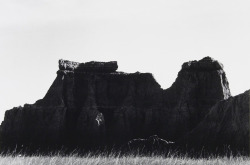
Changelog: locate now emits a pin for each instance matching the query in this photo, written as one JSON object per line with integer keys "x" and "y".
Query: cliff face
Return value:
{"x": 91, "y": 104}
{"x": 227, "y": 123}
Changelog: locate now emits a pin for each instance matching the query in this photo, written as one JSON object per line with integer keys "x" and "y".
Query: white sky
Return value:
{"x": 154, "y": 36}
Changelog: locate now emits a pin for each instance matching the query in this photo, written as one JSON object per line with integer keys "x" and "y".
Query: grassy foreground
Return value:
{"x": 124, "y": 160}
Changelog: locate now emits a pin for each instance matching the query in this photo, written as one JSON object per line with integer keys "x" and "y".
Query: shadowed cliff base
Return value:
{"x": 91, "y": 105}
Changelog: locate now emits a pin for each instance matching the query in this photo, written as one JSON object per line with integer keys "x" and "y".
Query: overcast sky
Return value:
{"x": 154, "y": 36}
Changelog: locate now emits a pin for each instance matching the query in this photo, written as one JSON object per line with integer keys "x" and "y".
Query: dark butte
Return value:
{"x": 91, "y": 104}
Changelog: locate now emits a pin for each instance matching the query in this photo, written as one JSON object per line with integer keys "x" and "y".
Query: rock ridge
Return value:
{"x": 91, "y": 104}
{"x": 227, "y": 124}
{"x": 207, "y": 63}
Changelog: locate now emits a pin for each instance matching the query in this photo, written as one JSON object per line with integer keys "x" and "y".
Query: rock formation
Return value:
{"x": 227, "y": 124}
{"x": 149, "y": 145}
{"x": 199, "y": 85}
{"x": 92, "y": 104}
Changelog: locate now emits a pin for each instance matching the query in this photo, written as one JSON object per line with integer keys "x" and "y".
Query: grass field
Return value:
{"x": 124, "y": 160}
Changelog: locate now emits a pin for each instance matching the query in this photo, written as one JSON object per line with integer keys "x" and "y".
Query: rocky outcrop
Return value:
{"x": 91, "y": 104}
{"x": 199, "y": 85}
{"x": 227, "y": 124}
{"x": 149, "y": 145}
{"x": 91, "y": 66}
{"x": 67, "y": 65}
{"x": 103, "y": 67}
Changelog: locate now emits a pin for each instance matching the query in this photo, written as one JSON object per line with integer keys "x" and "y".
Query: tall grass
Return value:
{"x": 96, "y": 159}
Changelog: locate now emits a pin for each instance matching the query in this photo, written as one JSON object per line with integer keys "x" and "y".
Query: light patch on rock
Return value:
{"x": 99, "y": 118}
